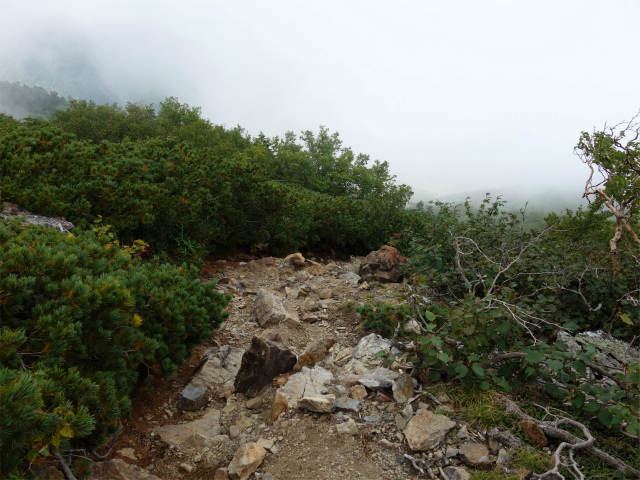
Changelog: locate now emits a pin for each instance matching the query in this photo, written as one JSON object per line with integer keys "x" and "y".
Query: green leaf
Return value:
{"x": 484, "y": 385}
{"x": 381, "y": 353}
{"x": 462, "y": 371}
{"x": 434, "y": 375}
{"x": 578, "y": 401}
{"x": 534, "y": 357}
{"x": 555, "y": 364}
{"x": 31, "y": 456}
{"x": 429, "y": 316}
{"x": 580, "y": 367}
{"x": 443, "y": 357}
{"x": 605, "y": 417}
{"x": 478, "y": 370}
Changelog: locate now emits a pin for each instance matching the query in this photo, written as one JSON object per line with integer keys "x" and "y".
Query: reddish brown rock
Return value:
{"x": 382, "y": 265}
{"x": 358, "y": 392}
{"x": 533, "y": 433}
{"x": 265, "y": 360}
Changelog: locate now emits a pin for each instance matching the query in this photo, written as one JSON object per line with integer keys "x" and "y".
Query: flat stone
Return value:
{"x": 427, "y": 430}
{"x": 403, "y": 388}
{"x": 266, "y": 443}
{"x": 272, "y": 310}
{"x": 372, "y": 418}
{"x": 9, "y": 210}
{"x": 457, "y": 473}
{"x": 401, "y": 422}
{"x": 351, "y": 277}
{"x": 345, "y": 404}
{"x": 253, "y": 403}
{"x": 308, "y": 382}
{"x": 117, "y": 469}
{"x": 347, "y": 429}
{"x": 358, "y": 392}
{"x": 463, "y": 433}
{"x": 475, "y": 455}
{"x": 264, "y": 361}
{"x": 407, "y": 412}
{"x": 193, "y": 398}
{"x": 319, "y": 403}
{"x": 504, "y": 459}
{"x": 246, "y": 461}
{"x": 128, "y": 452}
{"x": 380, "y": 379}
{"x": 218, "y": 368}
{"x": 208, "y": 426}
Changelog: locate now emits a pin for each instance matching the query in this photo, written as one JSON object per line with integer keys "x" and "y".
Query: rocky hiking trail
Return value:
{"x": 290, "y": 388}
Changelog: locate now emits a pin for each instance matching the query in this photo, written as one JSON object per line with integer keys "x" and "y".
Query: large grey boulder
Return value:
{"x": 11, "y": 210}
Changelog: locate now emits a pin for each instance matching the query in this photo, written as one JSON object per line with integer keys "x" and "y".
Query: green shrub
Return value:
{"x": 81, "y": 324}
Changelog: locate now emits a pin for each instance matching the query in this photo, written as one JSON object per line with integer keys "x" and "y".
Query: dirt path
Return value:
{"x": 304, "y": 444}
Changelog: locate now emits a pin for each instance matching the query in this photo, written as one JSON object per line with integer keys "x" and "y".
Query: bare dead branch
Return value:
{"x": 551, "y": 429}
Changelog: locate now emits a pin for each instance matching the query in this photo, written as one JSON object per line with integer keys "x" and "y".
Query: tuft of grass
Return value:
{"x": 350, "y": 305}
{"x": 532, "y": 459}
{"x": 480, "y": 409}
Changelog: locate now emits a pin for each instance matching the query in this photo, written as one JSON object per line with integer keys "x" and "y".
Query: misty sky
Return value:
{"x": 455, "y": 95}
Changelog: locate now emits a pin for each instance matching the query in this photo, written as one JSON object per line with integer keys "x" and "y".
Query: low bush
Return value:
{"x": 81, "y": 324}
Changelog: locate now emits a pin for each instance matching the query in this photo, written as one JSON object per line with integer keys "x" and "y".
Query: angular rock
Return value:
{"x": 463, "y": 433}
{"x": 348, "y": 429}
{"x": 407, "y": 412}
{"x": 253, "y": 403}
{"x": 246, "y": 460}
{"x": 534, "y": 433}
{"x": 266, "y": 443}
{"x": 401, "y": 422}
{"x": 427, "y": 430}
{"x": 363, "y": 356}
{"x": 475, "y": 455}
{"x": 358, "y": 392}
{"x": 221, "y": 474}
{"x": 382, "y": 265}
{"x": 505, "y": 437}
{"x": 218, "y": 368}
{"x": 310, "y": 318}
{"x": 403, "y": 388}
{"x": 372, "y": 418}
{"x": 504, "y": 459}
{"x": 208, "y": 426}
{"x": 128, "y": 452}
{"x": 264, "y": 361}
{"x": 294, "y": 259}
{"x": 351, "y": 277}
{"x": 117, "y": 469}
{"x": 193, "y": 398}
{"x": 380, "y": 379}
{"x": 11, "y": 210}
{"x": 319, "y": 403}
{"x": 457, "y": 473}
{"x": 308, "y": 382}
{"x": 345, "y": 404}
{"x": 272, "y": 310}
{"x": 314, "y": 353}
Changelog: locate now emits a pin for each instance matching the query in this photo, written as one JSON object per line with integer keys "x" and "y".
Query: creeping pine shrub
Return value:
{"x": 81, "y": 323}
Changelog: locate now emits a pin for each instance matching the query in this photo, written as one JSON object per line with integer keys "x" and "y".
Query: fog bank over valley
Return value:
{"x": 459, "y": 98}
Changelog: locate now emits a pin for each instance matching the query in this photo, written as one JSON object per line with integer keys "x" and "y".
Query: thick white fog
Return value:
{"x": 457, "y": 96}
